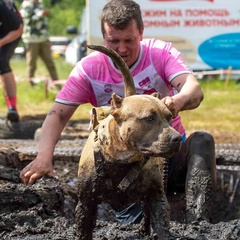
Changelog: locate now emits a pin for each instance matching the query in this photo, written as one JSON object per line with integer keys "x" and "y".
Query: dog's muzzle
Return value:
{"x": 166, "y": 148}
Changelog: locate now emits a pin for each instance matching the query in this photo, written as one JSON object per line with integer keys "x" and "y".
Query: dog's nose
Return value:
{"x": 175, "y": 138}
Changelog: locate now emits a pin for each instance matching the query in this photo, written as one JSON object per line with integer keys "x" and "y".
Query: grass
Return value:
{"x": 32, "y": 100}
{"x": 219, "y": 110}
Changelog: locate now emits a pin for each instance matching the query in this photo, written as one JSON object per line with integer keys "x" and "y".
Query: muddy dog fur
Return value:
{"x": 122, "y": 160}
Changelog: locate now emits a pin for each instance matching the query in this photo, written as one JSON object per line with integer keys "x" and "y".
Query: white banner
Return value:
{"x": 206, "y": 32}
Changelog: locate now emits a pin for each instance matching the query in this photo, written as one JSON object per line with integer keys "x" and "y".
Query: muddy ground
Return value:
{"x": 45, "y": 210}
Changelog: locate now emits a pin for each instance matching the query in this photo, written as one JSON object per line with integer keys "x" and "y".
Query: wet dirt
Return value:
{"x": 45, "y": 210}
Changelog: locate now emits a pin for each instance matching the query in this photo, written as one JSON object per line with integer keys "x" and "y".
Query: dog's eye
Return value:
{"x": 150, "y": 118}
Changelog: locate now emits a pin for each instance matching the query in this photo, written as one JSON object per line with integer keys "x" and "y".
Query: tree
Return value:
{"x": 63, "y": 13}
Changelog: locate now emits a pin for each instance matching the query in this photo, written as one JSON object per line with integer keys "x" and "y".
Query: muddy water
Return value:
{"x": 45, "y": 210}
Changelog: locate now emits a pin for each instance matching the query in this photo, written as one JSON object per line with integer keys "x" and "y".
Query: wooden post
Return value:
{"x": 228, "y": 76}
{"x": 46, "y": 87}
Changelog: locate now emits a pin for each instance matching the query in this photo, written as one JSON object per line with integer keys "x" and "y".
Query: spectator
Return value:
{"x": 95, "y": 78}
{"x": 35, "y": 37}
{"x": 10, "y": 35}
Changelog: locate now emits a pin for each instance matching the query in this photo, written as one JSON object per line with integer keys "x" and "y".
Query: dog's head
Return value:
{"x": 144, "y": 124}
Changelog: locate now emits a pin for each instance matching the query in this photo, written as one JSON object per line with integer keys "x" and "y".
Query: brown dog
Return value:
{"x": 122, "y": 161}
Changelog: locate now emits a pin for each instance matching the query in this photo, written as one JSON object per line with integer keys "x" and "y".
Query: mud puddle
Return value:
{"x": 45, "y": 210}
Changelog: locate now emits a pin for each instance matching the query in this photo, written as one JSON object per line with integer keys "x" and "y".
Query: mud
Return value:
{"x": 45, "y": 210}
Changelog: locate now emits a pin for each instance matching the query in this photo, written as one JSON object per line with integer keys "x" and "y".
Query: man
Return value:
{"x": 155, "y": 66}
{"x": 10, "y": 34}
{"x": 35, "y": 37}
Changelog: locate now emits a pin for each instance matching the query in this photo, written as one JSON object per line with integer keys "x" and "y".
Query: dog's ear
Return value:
{"x": 157, "y": 95}
{"x": 97, "y": 114}
{"x": 116, "y": 101}
{"x": 116, "y": 105}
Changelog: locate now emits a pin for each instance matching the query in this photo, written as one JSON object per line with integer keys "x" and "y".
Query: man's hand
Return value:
{"x": 36, "y": 169}
{"x": 171, "y": 105}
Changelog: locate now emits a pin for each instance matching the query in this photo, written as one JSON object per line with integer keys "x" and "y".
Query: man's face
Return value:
{"x": 125, "y": 42}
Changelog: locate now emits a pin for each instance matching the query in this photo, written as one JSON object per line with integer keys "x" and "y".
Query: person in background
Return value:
{"x": 10, "y": 34}
{"x": 36, "y": 37}
{"x": 156, "y": 66}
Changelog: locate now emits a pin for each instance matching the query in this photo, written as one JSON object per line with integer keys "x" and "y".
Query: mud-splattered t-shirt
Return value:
{"x": 95, "y": 77}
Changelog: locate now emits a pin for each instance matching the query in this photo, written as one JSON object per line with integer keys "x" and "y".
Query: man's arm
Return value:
{"x": 11, "y": 36}
{"x": 189, "y": 94}
{"x": 53, "y": 125}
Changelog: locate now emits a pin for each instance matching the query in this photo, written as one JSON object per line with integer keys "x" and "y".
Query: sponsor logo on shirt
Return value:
{"x": 108, "y": 88}
{"x": 144, "y": 82}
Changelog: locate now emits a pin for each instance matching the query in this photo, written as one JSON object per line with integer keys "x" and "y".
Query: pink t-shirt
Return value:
{"x": 95, "y": 78}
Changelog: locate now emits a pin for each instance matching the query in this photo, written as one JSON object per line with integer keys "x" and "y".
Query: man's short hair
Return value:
{"x": 120, "y": 13}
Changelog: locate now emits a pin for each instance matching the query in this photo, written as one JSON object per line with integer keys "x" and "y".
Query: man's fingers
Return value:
{"x": 33, "y": 178}
{"x": 168, "y": 102}
{"x": 24, "y": 175}
{"x": 27, "y": 174}
{"x": 30, "y": 177}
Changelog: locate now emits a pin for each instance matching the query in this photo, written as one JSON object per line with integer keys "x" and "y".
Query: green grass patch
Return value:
{"x": 219, "y": 110}
{"x": 32, "y": 100}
